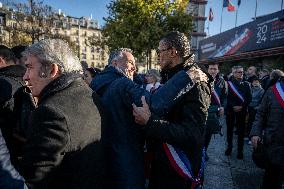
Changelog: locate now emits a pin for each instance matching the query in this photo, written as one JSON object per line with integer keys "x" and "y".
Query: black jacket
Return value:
{"x": 63, "y": 148}
{"x": 123, "y": 139}
{"x": 11, "y": 79}
{"x": 182, "y": 127}
{"x": 244, "y": 89}
{"x": 269, "y": 125}
{"x": 221, "y": 89}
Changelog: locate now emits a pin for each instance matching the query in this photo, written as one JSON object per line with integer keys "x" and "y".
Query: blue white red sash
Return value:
{"x": 235, "y": 91}
{"x": 181, "y": 164}
{"x": 216, "y": 97}
{"x": 278, "y": 90}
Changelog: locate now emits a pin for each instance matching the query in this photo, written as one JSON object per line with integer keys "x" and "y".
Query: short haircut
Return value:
{"x": 276, "y": 74}
{"x": 7, "y": 54}
{"x": 154, "y": 73}
{"x": 234, "y": 68}
{"x": 17, "y": 50}
{"x": 213, "y": 64}
{"x": 55, "y": 51}
{"x": 265, "y": 71}
{"x": 117, "y": 54}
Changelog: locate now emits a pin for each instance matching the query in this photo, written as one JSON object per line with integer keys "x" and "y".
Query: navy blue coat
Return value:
{"x": 123, "y": 140}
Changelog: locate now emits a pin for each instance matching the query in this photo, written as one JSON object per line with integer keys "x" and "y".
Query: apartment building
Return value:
{"x": 17, "y": 27}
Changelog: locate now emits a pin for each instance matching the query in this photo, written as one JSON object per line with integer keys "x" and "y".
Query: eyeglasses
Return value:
{"x": 158, "y": 51}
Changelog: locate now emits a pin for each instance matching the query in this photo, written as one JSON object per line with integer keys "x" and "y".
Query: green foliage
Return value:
{"x": 139, "y": 24}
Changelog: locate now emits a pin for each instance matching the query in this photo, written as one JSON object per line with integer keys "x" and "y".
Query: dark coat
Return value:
{"x": 213, "y": 124}
{"x": 265, "y": 82}
{"x": 63, "y": 147}
{"x": 221, "y": 90}
{"x": 270, "y": 119}
{"x": 123, "y": 139}
{"x": 11, "y": 79}
{"x": 9, "y": 177}
{"x": 182, "y": 127}
{"x": 243, "y": 88}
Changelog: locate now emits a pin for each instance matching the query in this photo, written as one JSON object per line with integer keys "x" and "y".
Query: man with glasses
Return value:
{"x": 238, "y": 99}
{"x": 178, "y": 136}
{"x": 123, "y": 141}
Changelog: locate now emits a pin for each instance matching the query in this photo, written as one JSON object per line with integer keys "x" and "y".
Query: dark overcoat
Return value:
{"x": 269, "y": 125}
{"x": 123, "y": 139}
{"x": 63, "y": 147}
{"x": 183, "y": 127}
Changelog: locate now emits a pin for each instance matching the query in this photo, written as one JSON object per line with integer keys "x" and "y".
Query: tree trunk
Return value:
{"x": 149, "y": 59}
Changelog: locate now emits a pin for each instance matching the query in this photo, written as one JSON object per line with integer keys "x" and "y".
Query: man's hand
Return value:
{"x": 197, "y": 75}
{"x": 141, "y": 114}
{"x": 254, "y": 141}
{"x": 237, "y": 108}
{"x": 221, "y": 111}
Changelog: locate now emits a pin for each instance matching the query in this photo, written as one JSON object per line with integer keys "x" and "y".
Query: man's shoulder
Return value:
{"x": 14, "y": 81}
{"x": 122, "y": 83}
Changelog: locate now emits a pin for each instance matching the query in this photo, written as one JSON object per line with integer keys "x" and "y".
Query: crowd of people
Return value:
{"x": 65, "y": 127}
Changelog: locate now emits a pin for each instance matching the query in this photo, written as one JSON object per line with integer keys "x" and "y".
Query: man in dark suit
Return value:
{"x": 238, "y": 99}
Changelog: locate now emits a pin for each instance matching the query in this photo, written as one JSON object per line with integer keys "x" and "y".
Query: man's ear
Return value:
{"x": 174, "y": 52}
{"x": 114, "y": 63}
{"x": 54, "y": 72}
{"x": 2, "y": 62}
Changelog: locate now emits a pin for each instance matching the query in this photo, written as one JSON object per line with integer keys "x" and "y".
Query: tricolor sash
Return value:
{"x": 181, "y": 164}
{"x": 216, "y": 97}
{"x": 278, "y": 90}
{"x": 235, "y": 91}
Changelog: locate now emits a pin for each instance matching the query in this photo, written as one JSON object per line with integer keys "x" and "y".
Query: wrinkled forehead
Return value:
{"x": 128, "y": 56}
{"x": 238, "y": 70}
{"x": 31, "y": 59}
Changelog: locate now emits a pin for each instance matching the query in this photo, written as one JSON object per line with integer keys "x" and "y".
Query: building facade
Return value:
{"x": 18, "y": 28}
{"x": 197, "y": 9}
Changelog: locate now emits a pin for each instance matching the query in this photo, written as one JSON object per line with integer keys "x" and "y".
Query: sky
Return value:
{"x": 246, "y": 11}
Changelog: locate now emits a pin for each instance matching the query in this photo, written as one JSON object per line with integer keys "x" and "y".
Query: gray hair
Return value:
{"x": 234, "y": 68}
{"x": 55, "y": 51}
{"x": 276, "y": 74}
{"x": 117, "y": 54}
{"x": 155, "y": 74}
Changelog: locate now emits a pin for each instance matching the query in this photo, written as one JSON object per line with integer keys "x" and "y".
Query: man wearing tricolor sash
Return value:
{"x": 178, "y": 137}
{"x": 216, "y": 109}
{"x": 268, "y": 129}
{"x": 238, "y": 99}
